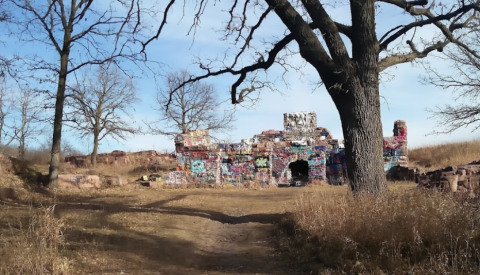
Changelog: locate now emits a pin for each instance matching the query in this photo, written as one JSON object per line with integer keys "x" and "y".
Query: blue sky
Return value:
{"x": 404, "y": 97}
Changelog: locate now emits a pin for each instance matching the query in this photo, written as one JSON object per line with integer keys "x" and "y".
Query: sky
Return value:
{"x": 404, "y": 97}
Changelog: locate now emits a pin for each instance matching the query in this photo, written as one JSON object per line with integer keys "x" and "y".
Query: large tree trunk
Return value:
{"x": 57, "y": 123}
{"x": 21, "y": 148}
{"x": 93, "y": 159}
{"x": 362, "y": 131}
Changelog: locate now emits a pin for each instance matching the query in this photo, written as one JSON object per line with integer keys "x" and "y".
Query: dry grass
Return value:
{"x": 449, "y": 154}
{"x": 193, "y": 230}
{"x": 403, "y": 232}
{"x": 32, "y": 245}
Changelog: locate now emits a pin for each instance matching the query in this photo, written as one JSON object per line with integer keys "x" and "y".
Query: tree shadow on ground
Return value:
{"x": 170, "y": 255}
{"x": 157, "y": 207}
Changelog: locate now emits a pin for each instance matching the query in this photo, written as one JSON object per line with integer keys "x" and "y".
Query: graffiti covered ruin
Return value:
{"x": 300, "y": 153}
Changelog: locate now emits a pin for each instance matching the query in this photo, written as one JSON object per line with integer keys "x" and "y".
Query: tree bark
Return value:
{"x": 351, "y": 82}
{"x": 362, "y": 130}
{"x": 57, "y": 123}
{"x": 93, "y": 159}
{"x": 21, "y": 148}
{"x": 360, "y": 109}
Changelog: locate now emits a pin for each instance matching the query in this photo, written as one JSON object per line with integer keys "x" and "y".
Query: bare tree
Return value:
{"x": 351, "y": 77}
{"x": 80, "y": 32}
{"x": 20, "y": 117}
{"x": 31, "y": 122}
{"x": 194, "y": 106}
{"x": 7, "y": 129}
{"x": 463, "y": 79}
{"x": 100, "y": 103}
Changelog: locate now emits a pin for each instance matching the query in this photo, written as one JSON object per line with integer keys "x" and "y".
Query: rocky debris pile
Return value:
{"x": 80, "y": 181}
{"x": 463, "y": 178}
{"x": 399, "y": 172}
{"x": 154, "y": 180}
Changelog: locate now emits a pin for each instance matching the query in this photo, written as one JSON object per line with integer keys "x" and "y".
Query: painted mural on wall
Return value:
{"x": 395, "y": 150}
{"x": 176, "y": 177}
{"x": 301, "y": 152}
{"x": 196, "y": 138}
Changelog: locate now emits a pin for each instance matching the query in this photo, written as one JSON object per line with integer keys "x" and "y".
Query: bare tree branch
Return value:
{"x": 193, "y": 107}
{"x": 97, "y": 103}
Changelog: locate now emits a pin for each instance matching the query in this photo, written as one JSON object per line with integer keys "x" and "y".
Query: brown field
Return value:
{"x": 433, "y": 157}
{"x": 135, "y": 230}
{"x": 302, "y": 230}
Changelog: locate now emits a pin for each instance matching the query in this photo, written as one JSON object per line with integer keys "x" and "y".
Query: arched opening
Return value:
{"x": 299, "y": 170}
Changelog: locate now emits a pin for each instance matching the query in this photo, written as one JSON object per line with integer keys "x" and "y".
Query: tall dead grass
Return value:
{"x": 448, "y": 154}
{"x": 34, "y": 248}
{"x": 399, "y": 233}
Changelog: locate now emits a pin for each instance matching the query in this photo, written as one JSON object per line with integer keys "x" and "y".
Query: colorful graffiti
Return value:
{"x": 235, "y": 172}
{"x": 176, "y": 177}
{"x": 261, "y": 162}
{"x": 395, "y": 148}
{"x": 197, "y": 166}
{"x": 276, "y": 157}
{"x": 193, "y": 138}
{"x": 316, "y": 166}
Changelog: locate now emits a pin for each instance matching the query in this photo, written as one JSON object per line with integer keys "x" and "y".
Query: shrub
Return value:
{"x": 34, "y": 250}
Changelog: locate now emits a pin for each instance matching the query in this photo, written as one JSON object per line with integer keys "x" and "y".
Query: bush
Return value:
{"x": 34, "y": 250}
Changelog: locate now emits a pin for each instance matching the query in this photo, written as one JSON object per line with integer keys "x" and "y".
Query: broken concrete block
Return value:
{"x": 452, "y": 183}
{"x": 153, "y": 184}
{"x": 113, "y": 180}
{"x": 79, "y": 181}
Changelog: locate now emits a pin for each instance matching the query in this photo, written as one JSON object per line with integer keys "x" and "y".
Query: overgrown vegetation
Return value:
{"x": 442, "y": 155}
{"x": 33, "y": 245}
{"x": 407, "y": 232}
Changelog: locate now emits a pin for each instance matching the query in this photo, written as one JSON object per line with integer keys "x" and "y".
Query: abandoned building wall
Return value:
{"x": 300, "y": 121}
{"x": 197, "y": 138}
{"x": 336, "y": 168}
{"x": 301, "y": 151}
{"x": 395, "y": 151}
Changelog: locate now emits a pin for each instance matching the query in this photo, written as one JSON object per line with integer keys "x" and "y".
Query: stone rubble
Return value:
{"x": 463, "y": 178}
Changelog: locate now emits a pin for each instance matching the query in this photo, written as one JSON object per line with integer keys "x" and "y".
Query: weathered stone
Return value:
{"x": 452, "y": 182}
{"x": 399, "y": 172}
{"x": 464, "y": 178}
{"x": 113, "y": 180}
{"x": 153, "y": 184}
{"x": 460, "y": 188}
{"x": 79, "y": 181}
{"x": 7, "y": 193}
{"x": 463, "y": 183}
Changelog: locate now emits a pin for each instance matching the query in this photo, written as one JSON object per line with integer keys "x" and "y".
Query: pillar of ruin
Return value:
{"x": 400, "y": 128}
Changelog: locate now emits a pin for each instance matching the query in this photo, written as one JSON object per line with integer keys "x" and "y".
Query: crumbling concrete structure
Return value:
{"x": 119, "y": 158}
{"x": 301, "y": 152}
{"x": 395, "y": 151}
{"x": 272, "y": 157}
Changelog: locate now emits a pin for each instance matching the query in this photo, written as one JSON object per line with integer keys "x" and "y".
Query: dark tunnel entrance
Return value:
{"x": 299, "y": 170}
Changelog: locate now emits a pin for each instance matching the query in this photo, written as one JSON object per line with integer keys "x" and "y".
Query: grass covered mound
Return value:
{"x": 403, "y": 232}
{"x": 441, "y": 155}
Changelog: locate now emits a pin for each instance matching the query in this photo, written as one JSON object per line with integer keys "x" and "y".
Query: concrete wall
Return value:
{"x": 267, "y": 157}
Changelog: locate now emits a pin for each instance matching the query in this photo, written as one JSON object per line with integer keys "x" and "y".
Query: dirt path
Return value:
{"x": 244, "y": 246}
{"x": 174, "y": 232}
